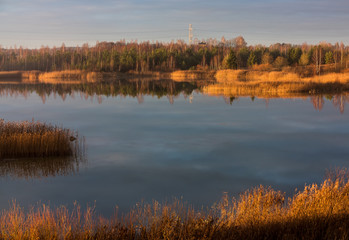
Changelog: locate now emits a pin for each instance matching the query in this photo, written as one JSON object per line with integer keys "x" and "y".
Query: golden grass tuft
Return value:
{"x": 36, "y": 139}
{"x": 190, "y": 75}
{"x": 30, "y": 76}
{"x": 255, "y": 76}
{"x": 272, "y": 76}
{"x": 230, "y": 75}
{"x": 317, "y": 212}
{"x": 264, "y": 76}
{"x": 261, "y": 90}
{"x": 329, "y": 78}
{"x": 275, "y": 84}
{"x": 69, "y": 75}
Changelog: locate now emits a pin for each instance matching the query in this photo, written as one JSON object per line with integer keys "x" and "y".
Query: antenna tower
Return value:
{"x": 190, "y": 34}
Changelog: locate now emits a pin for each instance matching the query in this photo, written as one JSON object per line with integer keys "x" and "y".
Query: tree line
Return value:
{"x": 124, "y": 56}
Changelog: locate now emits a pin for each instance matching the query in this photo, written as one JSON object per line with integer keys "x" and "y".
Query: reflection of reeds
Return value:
{"x": 39, "y": 167}
{"x": 123, "y": 87}
{"x": 36, "y": 139}
{"x": 317, "y": 212}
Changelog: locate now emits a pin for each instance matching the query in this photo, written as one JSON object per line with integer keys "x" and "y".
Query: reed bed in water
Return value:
{"x": 274, "y": 89}
{"x": 253, "y": 76}
{"x": 36, "y": 139}
{"x": 191, "y": 75}
{"x": 317, "y": 212}
{"x": 50, "y": 77}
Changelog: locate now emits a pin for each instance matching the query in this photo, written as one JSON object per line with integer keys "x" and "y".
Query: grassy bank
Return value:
{"x": 317, "y": 212}
{"x": 51, "y": 77}
{"x": 274, "y": 89}
{"x": 191, "y": 75}
{"x": 255, "y": 76}
{"x": 36, "y": 139}
{"x": 275, "y": 83}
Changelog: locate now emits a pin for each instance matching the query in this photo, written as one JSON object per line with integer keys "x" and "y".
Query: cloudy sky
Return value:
{"x": 32, "y": 23}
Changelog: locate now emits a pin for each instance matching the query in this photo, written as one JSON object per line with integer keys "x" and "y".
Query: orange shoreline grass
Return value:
{"x": 36, "y": 139}
{"x": 274, "y": 89}
{"x": 255, "y": 76}
{"x": 317, "y": 212}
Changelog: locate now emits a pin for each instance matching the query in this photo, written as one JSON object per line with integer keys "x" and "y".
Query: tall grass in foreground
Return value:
{"x": 36, "y": 139}
{"x": 317, "y": 212}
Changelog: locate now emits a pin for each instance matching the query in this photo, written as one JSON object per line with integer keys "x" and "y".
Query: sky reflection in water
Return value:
{"x": 157, "y": 150}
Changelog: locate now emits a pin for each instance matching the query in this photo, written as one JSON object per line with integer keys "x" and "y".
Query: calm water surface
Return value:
{"x": 190, "y": 145}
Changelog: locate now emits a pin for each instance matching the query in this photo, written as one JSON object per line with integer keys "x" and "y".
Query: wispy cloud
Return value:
{"x": 264, "y": 21}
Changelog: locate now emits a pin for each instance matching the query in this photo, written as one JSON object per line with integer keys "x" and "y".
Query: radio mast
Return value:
{"x": 190, "y": 34}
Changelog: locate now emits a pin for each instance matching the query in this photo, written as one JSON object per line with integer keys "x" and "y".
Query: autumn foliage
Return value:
{"x": 124, "y": 56}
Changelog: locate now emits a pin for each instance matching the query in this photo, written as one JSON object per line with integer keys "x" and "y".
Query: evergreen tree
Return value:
{"x": 230, "y": 61}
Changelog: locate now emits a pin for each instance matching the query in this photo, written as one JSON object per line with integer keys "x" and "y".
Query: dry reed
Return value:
{"x": 191, "y": 75}
{"x": 69, "y": 75}
{"x": 36, "y": 139}
{"x": 30, "y": 76}
{"x": 230, "y": 75}
{"x": 275, "y": 89}
{"x": 317, "y": 212}
{"x": 254, "y": 76}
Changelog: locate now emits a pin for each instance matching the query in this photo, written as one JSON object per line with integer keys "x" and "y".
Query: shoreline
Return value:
{"x": 224, "y": 82}
{"x": 224, "y": 75}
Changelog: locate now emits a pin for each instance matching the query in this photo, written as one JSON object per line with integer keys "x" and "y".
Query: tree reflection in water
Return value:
{"x": 136, "y": 88}
{"x": 139, "y": 87}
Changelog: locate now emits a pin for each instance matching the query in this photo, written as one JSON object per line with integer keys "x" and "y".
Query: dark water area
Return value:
{"x": 157, "y": 140}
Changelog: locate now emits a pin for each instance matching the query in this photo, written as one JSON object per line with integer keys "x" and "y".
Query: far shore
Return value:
{"x": 250, "y": 76}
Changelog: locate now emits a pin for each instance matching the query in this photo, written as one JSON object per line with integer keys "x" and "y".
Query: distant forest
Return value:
{"x": 145, "y": 56}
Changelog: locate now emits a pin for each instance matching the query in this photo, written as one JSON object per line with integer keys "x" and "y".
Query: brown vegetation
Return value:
{"x": 213, "y": 54}
{"x": 36, "y": 139}
{"x": 261, "y": 90}
{"x": 230, "y": 75}
{"x": 192, "y": 75}
{"x": 275, "y": 90}
{"x": 317, "y": 212}
{"x": 287, "y": 75}
{"x": 69, "y": 75}
{"x": 51, "y": 77}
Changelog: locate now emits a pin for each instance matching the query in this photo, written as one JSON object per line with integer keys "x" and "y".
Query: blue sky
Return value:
{"x": 32, "y": 23}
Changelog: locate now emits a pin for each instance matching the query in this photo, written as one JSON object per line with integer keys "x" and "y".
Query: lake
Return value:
{"x": 159, "y": 140}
